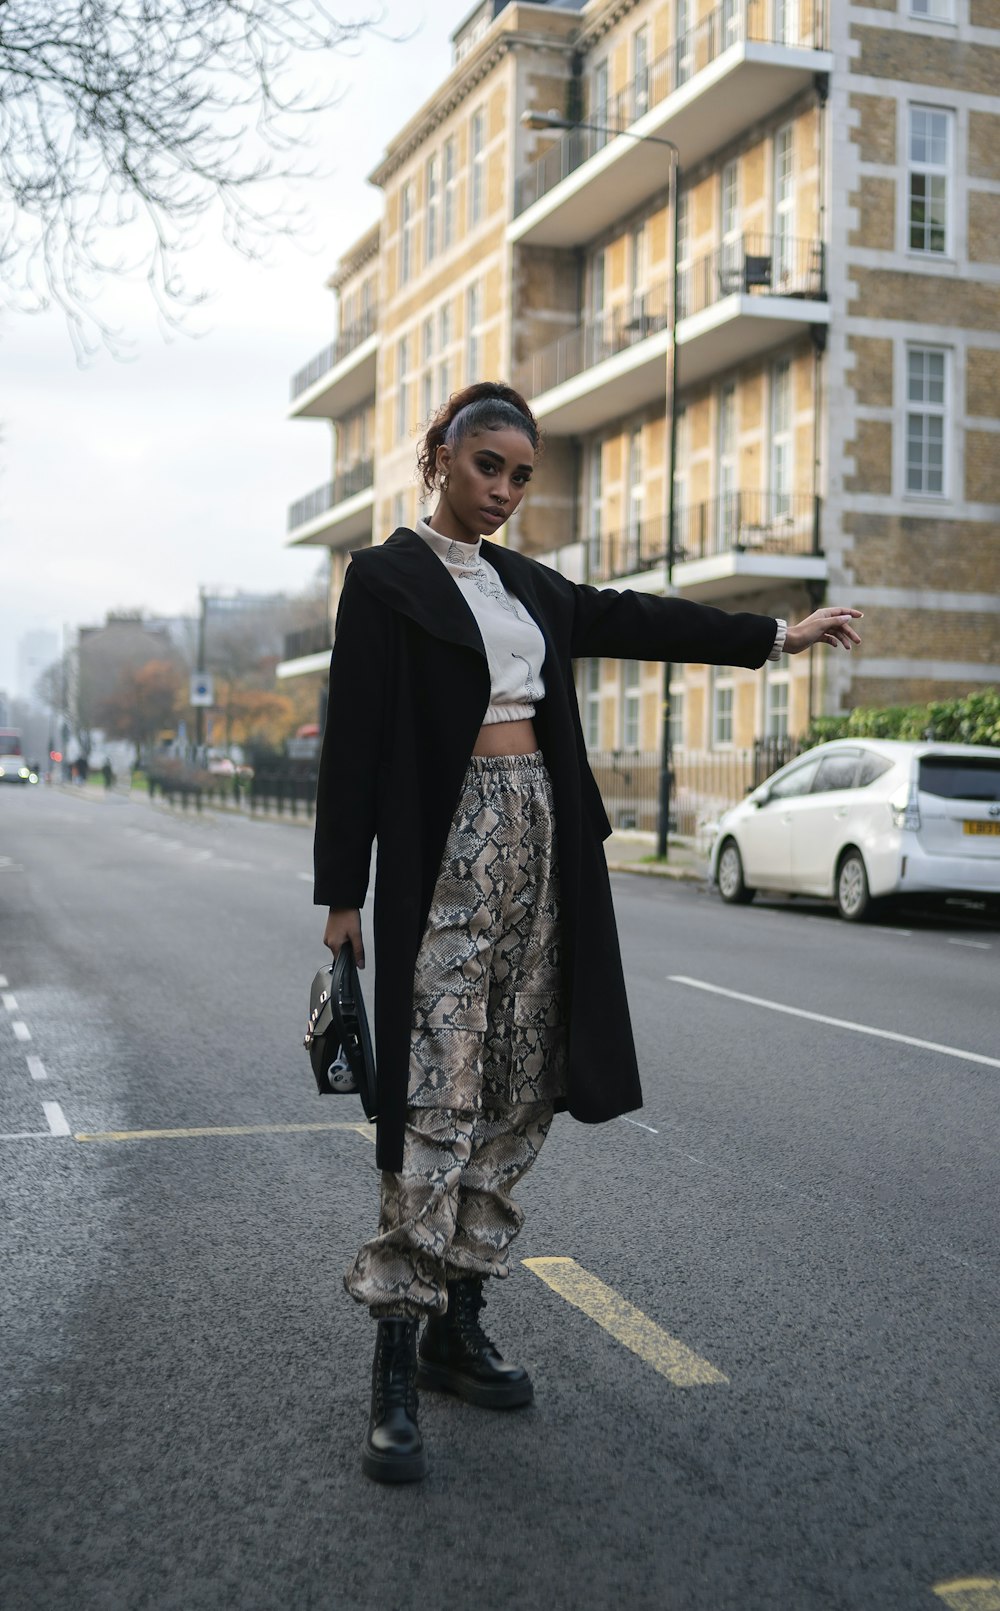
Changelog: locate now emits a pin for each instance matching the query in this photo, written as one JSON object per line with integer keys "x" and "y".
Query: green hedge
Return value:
{"x": 973, "y": 719}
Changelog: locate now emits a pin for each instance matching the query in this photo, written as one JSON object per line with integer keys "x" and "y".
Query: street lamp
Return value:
{"x": 553, "y": 120}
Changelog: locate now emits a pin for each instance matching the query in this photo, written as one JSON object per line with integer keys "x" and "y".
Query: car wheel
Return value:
{"x": 854, "y": 901}
{"x": 732, "y": 886}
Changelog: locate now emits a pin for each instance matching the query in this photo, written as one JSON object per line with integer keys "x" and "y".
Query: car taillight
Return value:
{"x": 907, "y": 813}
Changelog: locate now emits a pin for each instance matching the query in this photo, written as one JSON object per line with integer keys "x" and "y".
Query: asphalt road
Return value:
{"x": 804, "y": 1219}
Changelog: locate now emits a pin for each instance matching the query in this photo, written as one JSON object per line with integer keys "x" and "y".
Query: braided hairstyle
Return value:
{"x": 488, "y": 405}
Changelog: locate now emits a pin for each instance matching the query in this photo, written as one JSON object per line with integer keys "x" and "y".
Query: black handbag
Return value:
{"x": 337, "y": 1037}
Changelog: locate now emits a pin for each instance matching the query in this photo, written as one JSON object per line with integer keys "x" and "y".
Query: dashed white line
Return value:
{"x": 25, "y": 1135}
{"x": 3, "y": 981}
{"x": 55, "y": 1118}
{"x": 839, "y": 1023}
{"x": 21, "y": 1030}
{"x": 638, "y": 1124}
{"x": 36, "y": 1068}
{"x": 973, "y": 945}
{"x": 9, "y": 1000}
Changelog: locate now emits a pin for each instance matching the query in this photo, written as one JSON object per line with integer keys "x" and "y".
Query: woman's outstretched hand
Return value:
{"x": 344, "y": 928}
{"x": 830, "y": 625}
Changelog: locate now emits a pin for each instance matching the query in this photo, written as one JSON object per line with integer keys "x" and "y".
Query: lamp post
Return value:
{"x": 553, "y": 120}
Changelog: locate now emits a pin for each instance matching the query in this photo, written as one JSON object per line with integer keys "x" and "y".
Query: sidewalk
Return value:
{"x": 635, "y": 852}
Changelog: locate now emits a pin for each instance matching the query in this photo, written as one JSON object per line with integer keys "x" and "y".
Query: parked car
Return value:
{"x": 859, "y": 819}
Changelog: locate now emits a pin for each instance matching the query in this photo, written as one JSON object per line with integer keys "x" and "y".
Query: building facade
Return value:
{"x": 833, "y": 267}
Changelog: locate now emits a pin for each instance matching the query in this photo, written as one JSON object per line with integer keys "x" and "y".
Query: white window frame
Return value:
{"x": 595, "y": 515}
{"x": 730, "y": 230}
{"x": 432, "y": 205}
{"x": 599, "y": 92}
{"x": 782, "y": 433}
{"x": 678, "y": 708}
{"x": 449, "y": 212}
{"x": 407, "y": 230}
{"x": 630, "y": 714}
{"x": 931, "y": 171}
{"x": 683, "y": 206}
{"x": 446, "y": 333}
{"x": 777, "y": 700}
{"x": 938, "y": 10}
{"x": 635, "y": 490}
{"x": 398, "y": 516}
{"x": 477, "y": 167}
{"x": 592, "y": 703}
{"x": 727, "y": 468}
{"x": 640, "y": 73}
{"x": 427, "y": 393}
{"x": 683, "y": 46}
{"x": 927, "y": 409}
{"x": 473, "y": 330}
{"x": 402, "y": 389}
{"x": 723, "y": 707}
{"x": 783, "y": 210}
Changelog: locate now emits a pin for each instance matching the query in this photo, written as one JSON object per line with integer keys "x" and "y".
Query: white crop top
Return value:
{"x": 515, "y": 648}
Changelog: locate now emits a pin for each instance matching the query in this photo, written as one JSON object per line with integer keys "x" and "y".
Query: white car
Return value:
{"x": 862, "y": 818}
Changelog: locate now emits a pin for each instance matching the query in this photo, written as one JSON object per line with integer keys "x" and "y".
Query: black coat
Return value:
{"x": 409, "y": 686}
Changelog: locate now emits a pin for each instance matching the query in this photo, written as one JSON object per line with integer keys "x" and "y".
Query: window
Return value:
{"x": 630, "y": 705}
{"x": 776, "y": 704}
{"x": 837, "y": 771}
{"x": 781, "y": 441}
{"x": 402, "y": 398}
{"x": 784, "y": 206}
{"x": 444, "y": 326}
{"x": 473, "y": 334}
{"x": 427, "y": 340}
{"x": 726, "y": 517}
{"x": 722, "y": 707}
{"x": 930, "y": 166}
{"x": 597, "y": 283}
{"x": 683, "y": 41}
{"x": 595, "y": 517}
{"x": 398, "y": 510}
{"x": 729, "y": 227}
{"x": 635, "y": 493}
{"x": 638, "y": 254}
{"x": 683, "y": 459}
{"x": 786, "y": 18}
{"x": 444, "y": 382}
{"x": 872, "y": 767}
{"x": 427, "y": 394}
{"x": 640, "y": 72}
{"x": 797, "y": 781}
{"x": 676, "y": 716}
{"x": 432, "y": 181}
{"x": 926, "y": 407}
{"x": 683, "y": 252}
{"x": 599, "y": 102}
{"x": 933, "y": 10}
{"x": 408, "y": 225}
{"x": 450, "y": 193}
{"x": 731, "y": 18}
{"x": 477, "y": 184}
{"x": 592, "y": 704}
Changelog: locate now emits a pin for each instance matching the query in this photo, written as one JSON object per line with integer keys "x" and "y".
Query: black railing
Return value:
{"x": 308, "y": 640}
{"x": 704, "y": 783}
{"x": 776, "y": 22}
{"x": 332, "y": 355}
{"x": 756, "y": 265}
{"x": 766, "y": 522}
{"x": 645, "y": 314}
{"x": 358, "y": 478}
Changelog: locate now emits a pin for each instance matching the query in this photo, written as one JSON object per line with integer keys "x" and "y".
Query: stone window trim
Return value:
{"x": 722, "y": 707}
{"x": 449, "y": 212}
{"x": 925, "y": 448}
{"x": 931, "y": 181}
{"x": 432, "y": 205}
{"x": 939, "y": 11}
{"x": 477, "y": 167}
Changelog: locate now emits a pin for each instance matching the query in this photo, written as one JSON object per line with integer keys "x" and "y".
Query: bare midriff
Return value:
{"x": 506, "y": 738}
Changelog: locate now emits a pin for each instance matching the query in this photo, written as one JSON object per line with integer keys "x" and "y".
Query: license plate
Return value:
{"x": 981, "y": 827}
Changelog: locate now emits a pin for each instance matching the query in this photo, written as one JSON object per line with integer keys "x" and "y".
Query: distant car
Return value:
{"x": 859, "y": 819}
{"x": 222, "y": 765}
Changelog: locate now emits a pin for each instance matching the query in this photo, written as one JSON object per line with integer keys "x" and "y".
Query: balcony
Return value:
{"x": 341, "y": 377}
{"x": 604, "y": 368}
{"x": 337, "y": 513}
{"x": 737, "y": 543}
{"x": 306, "y": 650}
{"x": 734, "y": 304}
{"x": 746, "y": 297}
{"x": 739, "y": 64}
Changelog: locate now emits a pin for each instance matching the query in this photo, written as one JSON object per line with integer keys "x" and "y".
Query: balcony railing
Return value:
{"x": 324, "y": 361}
{"x": 308, "y": 640}
{"x": 597, "y": 338}
{"x": 358, "y": 478}
{"x": 773, "y": 22}
{"x": 757, "y": 265}
{"x": 768, "y": 522}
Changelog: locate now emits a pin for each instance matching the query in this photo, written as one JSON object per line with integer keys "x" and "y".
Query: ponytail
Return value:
{"x": 488, "y": 405}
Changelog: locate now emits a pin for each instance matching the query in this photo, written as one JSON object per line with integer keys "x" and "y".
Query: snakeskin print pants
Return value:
{"x": 487, "y": 1047}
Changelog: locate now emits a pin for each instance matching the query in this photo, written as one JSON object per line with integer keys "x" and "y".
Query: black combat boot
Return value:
{"x": 394, "y": 1449}
{"x": 456, "y": 1356}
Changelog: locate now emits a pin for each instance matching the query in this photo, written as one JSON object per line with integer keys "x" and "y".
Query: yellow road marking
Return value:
{"x": 219, "y": 1130}
{"x": 970, "y": 1593}
{"x": 626, "y": 1323}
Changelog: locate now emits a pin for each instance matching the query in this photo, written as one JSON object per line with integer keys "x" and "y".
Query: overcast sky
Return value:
{"x": 130, "y": 484}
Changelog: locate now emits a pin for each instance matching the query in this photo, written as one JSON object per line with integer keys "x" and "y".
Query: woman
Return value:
{"x": 453, "y": 738}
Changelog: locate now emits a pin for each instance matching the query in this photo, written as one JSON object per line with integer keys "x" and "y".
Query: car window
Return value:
{"x": 958, "y": 778}
{"x": 872, "y": 767}
{"x": 797, "y": 781}
{"x": 837, "y": 771}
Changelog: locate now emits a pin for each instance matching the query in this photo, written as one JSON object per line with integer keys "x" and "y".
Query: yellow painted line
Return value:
{"x": 626, "y": 1323}
{"x": 219, "y": 1130}
{"x": 970, "y": 1593}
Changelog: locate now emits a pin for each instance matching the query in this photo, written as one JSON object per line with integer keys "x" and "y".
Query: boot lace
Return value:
{"x": 395, "y": 1376}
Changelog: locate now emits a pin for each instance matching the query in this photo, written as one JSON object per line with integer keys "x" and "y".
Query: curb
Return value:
{"x": 691, "y": 875}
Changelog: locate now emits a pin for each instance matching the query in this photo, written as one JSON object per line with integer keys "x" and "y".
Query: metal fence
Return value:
{"x": 333, "y": 354}
{"x": 756, "y": 264}
{"x": 703, "y": 783}
{"x": 596, "y": 338}
{"x": 308, "y": 640}
{"x": 358, "y": 478}
{"x": 776, "y": 22}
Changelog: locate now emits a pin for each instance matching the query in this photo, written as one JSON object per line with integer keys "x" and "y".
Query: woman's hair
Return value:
{"x": 487, "y": 406}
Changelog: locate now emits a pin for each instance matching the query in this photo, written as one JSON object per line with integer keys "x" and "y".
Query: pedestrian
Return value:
{"x": 453, "y": 738}
{"x": 107, "y": 774}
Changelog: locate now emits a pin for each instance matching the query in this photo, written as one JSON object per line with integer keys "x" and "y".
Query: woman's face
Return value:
{"x": 487, "y": 477}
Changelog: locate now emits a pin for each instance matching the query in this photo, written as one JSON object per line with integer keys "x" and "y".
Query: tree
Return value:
{"x": 122, "y": 122}
{"x": 144, "y": 701}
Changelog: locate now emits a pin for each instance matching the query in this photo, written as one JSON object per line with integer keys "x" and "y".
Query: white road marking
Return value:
{"x": 3, "y": 981}
{"x": 878, "y": 928}
{"x": 9, "y": 1001}
{"x": 21, "y": 1030}
{"x": 638, "y": 1124}
{"x": 839, "y": 1023}
{"x": 36, "y": 1068}
{"x": 973, "y": 945}
{"x": 26, "y": 1135}
{"x": 56, "y": 1119}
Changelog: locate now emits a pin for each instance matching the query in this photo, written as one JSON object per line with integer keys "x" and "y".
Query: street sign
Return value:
{"x": 202, "y": 690}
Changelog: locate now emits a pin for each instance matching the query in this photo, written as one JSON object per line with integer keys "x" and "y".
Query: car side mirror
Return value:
{"x": 761, "y": 797}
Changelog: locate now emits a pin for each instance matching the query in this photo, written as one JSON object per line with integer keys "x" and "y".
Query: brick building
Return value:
{"x": 838, "y": 330}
